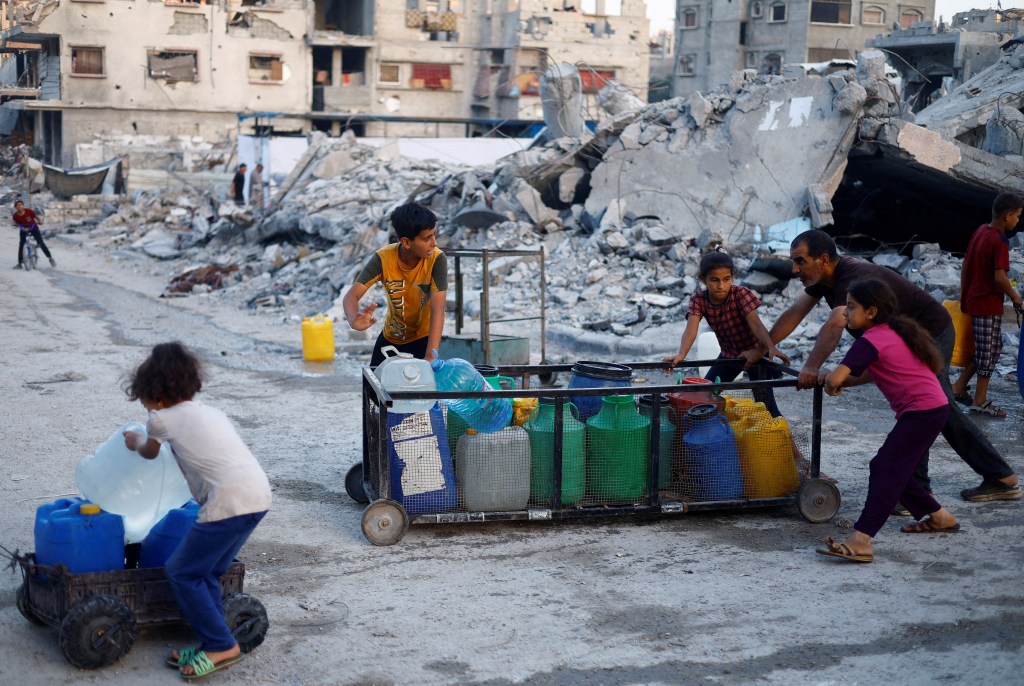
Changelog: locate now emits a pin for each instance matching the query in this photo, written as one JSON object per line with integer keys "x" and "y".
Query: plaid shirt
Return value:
{"x": 728, "y": 320}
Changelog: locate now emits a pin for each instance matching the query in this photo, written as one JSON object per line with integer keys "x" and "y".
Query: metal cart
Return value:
{"x": 97, "y": 615}
{"x": 385, "y": 519}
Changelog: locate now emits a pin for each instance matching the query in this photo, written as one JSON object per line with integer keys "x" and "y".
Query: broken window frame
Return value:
{"x": 910, "y": 15}
{"x": 101, "y": 74}
{"x": 687, "y": 63}
{"x": 184, "y": 3}
{"x": 773, "y": 63}
{"x": 823, "y": 10}
{"x": 872, "y": 9}
{"x": 266, "y": 55}
{"x": 772, "y": 8}
{"x": 432, "y": 75}
{"x": 194, "y": 54}
{"x": 593, "y": 79}
{"x": 398, "y": 73}
{"x": 756, "y": 10}
{"x": 686, "y": 15}
{"x": 750, "y": 59}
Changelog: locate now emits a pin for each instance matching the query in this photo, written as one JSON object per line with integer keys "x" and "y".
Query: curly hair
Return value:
{"x": 877, "y": 294}
{"x": 171, "y": 374}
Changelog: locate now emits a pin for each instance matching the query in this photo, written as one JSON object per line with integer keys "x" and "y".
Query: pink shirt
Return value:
{"x": 905, "y": 381}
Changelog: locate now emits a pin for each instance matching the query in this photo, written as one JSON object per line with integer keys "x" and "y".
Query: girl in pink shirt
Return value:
{"x": 899, "y": 356}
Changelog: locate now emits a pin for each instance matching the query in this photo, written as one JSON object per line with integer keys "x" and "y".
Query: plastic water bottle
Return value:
{"x": 485, "y": 415}
{"x": 125, "y": 483}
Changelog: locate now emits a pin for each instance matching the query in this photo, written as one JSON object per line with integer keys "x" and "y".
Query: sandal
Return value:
{"x": 987, "y": 409}
{"x": 964, "y": 399}
{"x": 185, "y": 655}
{"x": 204, "y": 666}
{"x": 927, "y": 526}
{"x": 843, "y": 551}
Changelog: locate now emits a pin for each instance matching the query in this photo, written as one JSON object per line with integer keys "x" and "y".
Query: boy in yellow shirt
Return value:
{"x": 414, "y": 273}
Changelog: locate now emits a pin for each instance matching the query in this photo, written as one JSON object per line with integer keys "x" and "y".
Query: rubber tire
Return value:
{"x": 99, "y": 618}
{"x": 385, "y": 522}
{"x": 547, "y": 378}
{"x": 247, "y": 619}
{"x": 354, "y": 484}
{"x": 31, "y": 259}
{"x": 21, "y": 600}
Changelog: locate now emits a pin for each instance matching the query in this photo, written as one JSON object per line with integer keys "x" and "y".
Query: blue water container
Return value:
{"x": 80, "y": 535}
{"x": 485, "y": 415}
{"x": 165, "y": 536}
{"x": 422, "y": 473}
{"x": 596, "y": 375}
{"x": 710, "y": 456}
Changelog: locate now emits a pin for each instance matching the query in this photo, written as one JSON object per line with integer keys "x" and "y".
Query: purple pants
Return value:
{"x": 892, "y": 470}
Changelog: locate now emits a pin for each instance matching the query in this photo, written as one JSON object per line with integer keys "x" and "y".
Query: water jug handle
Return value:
{"x": 575, "y": 411}
{"x": 389, "y": 351}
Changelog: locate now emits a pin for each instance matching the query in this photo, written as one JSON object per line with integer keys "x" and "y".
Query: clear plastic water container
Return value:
{"x": 123, "y": 482}
{"x": 485, "y": 415}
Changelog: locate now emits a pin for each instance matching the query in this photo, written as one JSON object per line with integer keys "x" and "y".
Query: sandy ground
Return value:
{"x": 731, "y": 598}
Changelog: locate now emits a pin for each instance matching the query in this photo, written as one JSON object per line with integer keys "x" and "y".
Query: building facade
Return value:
{"x": 214, "y": 69}
{"x": 714, "y": 38}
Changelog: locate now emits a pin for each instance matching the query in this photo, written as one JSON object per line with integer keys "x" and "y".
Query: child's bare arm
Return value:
{"x": 686, "y": 342}
{"x": 764, "y": 338}
{"x": 842, "y": 377}
{"x": 1003, "y": 281}
{"x": 149, "y": 448}
{"x": 360, "y": 320}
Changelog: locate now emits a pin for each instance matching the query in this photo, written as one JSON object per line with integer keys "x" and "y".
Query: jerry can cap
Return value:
{"x": 471, "y": 432}
{"x": 90, "y": 509}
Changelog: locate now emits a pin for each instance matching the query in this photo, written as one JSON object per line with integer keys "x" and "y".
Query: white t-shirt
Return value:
{"x": 222, "y": 474}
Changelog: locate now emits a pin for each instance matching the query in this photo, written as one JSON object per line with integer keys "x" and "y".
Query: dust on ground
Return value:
{"x": 730, "y": 598}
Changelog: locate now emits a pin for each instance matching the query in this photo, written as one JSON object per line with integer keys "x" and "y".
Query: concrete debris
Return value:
{"x": 623, "y": 214}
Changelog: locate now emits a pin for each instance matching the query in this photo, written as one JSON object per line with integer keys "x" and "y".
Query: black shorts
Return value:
{"x": 417, "y": 348}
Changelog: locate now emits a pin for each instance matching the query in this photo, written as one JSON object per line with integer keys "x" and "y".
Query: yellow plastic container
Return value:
{"x": 738, "y": 408}
{"x": 963, "y": 348}
{"x": 317, "y": 338}
{"x": 522, "y": 408}
{"x": 766, "y": 457}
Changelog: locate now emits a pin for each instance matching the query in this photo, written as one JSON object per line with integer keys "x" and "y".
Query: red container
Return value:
{"x": 681, "y": 401}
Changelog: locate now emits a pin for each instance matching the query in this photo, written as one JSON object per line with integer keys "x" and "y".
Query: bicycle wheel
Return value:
{"x": 31, "y": 256}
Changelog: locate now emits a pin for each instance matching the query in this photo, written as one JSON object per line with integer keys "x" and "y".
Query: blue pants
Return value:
{"x": 759, "y": 372}
{"x": 891, "y": 477}
{"x": 194, "y": 571}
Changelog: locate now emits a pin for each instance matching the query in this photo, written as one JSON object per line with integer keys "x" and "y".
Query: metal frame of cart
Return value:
{"x": 385, "y": 521}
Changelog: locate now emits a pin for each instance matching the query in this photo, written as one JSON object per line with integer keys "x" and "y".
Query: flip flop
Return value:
{"x": 843, "y": 552}
{"x": 964, "y": 399}
{"x": 926, "y": 526}
{"x": 185, "y": 655}
{"x": 202, "y": 665}
{"x": 987, "y": 409}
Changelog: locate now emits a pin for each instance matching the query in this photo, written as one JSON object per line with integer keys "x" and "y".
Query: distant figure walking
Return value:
{"x": 238, "y": 185}
{"x": 898, "y": 354}
{"x": 28, "y": 222}
{"x": 256, "y": 185}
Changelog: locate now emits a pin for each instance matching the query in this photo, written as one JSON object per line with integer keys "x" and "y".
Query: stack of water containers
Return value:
{"x": 127, "y": 499}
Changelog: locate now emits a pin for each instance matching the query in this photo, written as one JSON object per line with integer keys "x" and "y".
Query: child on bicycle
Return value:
{"x": 28, "y": 222}
{"x": 899, "y": 356}
{"x": 223, "y": 477}
{"x": 731, "y": 312}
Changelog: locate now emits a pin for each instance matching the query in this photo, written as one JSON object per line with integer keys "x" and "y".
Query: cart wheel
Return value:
{"x": 247, "y": 619}
{"x": 818, "y": 500}
{"x": 97, "y": 632}
{"x": 385, "y": 522}
{"x": 21, "y": 600}
{"x": 547, "y": 378}
{"x": 354, "y": 484}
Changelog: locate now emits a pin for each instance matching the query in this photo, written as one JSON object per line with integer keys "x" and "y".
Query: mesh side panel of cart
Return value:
{"x": 376, "y": 447}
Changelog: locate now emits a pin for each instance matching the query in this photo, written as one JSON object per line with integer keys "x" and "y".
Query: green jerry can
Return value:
{"x": 618, "y": 451}
{"x": 541, "y": 429}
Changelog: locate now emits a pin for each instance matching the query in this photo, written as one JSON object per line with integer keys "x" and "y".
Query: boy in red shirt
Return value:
{"x": 28, "y": 222}
{"x": 983, "y": 283}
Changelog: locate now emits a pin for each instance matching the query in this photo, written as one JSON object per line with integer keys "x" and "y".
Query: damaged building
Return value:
{"x": 716, "y": 37}
{"x": 211, "y": 70}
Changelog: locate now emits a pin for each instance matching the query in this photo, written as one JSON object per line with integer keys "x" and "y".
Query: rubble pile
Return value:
{"x": 623, "y": 213}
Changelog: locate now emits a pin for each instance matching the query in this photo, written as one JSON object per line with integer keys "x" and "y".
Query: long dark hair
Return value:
{"x": 170, "y": 375}
{"x": 877, "y": 294}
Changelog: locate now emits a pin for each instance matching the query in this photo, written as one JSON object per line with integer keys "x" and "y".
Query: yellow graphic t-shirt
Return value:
{"x": 408, "y": 317}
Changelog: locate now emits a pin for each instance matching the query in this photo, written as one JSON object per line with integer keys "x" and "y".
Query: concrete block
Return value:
{"x": 660, "y": 236}
{"x": 892, "y": 260}
{"x": 700, "y": 109}
{"x": 871, "y": 65}
{"x": 568, "y": 182}
{"x": 850, "y": 99}
{"x": 1004, "y": 132}
{"x": 630, "y": 137}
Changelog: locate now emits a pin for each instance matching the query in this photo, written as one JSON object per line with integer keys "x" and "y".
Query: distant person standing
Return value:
{"x": 983, "y": 287}
{"x": 238, "y": 185}
{"x": 28, "y": 223}
{"x": 256, "y": 185}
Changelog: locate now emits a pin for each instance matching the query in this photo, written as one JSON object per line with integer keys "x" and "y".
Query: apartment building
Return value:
{"x": 219, "y": 68}
{"x": 714, "y": 38}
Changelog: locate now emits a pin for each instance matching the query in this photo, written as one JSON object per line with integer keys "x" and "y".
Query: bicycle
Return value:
{"x": 31, "y": 260}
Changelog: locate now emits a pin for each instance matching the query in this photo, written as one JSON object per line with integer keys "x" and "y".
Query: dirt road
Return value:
{"x": 720, "y": 598}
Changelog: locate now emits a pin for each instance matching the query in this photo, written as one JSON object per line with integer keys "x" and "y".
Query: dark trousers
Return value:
{"x": 891, "y": 477}
{"x": 194, "y": 571}
{"x": 963, "y": 436}
{"x": 759, "y": 372}
{"x": 417, "y": 348}
{"x": 39, "y": 239}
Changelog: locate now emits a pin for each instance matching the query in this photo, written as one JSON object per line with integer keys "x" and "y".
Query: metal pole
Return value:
{"x": 656, "y": 455}
{"x": 556, "y": 448}
{"x": 485, "y": 314}
{"x": 458, "y": 295}
{"x": 819, "y": 395}
{"x": 543, "y": 308}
